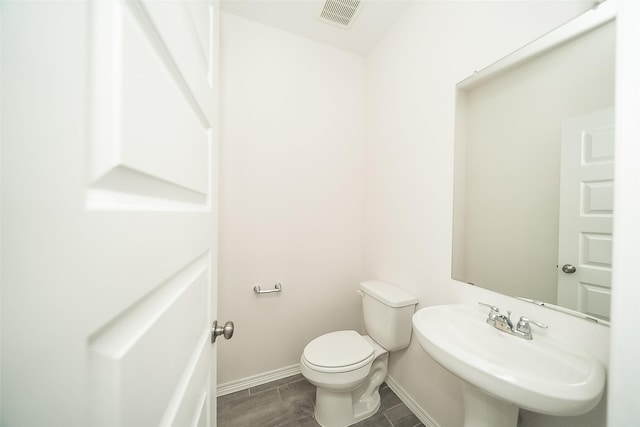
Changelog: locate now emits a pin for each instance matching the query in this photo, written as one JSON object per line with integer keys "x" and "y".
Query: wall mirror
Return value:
{"x": 533, "y": 186}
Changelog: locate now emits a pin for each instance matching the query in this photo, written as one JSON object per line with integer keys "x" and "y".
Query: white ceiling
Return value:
{"x": 300, "y": 17}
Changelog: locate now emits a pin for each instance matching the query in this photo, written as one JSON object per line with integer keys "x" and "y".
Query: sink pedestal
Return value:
{"x": 482, "y": 410}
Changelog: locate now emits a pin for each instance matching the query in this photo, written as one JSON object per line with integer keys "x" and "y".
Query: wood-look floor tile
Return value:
{"x": 275, "y": 384}
{"x": 411, "y": 421}
{"x": 233, "y": 396}
{"x": 249, "y": 411}
{"x": 266, "y": 409}
{"x": 388, "y": 399}
{"x": 301, "y": 387}
{"x": 290, "y": 403}
{"x": 309, "y": 421}
{"x": 297, "y": 405}
{"x": 376, "y": 420}
{"x": 401, "y": 416}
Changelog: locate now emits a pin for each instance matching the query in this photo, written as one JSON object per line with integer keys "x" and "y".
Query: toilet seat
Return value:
{"x": 340, "y": 351}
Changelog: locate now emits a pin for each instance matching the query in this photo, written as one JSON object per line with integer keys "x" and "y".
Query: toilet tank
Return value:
{"x": 387, "y": 313}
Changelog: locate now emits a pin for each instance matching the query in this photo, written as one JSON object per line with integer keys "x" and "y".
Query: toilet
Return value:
{"x": 347, "y": 368}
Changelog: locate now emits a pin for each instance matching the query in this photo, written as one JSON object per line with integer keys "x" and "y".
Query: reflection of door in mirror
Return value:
{"x": 586, "y": 213}
{"x": 507, "y": 174}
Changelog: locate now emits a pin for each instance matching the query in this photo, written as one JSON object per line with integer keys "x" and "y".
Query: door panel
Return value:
{"x": 129, "y": 358}
{"x": 109, "y": 213}
{"x": 185, "y": 31}
{"x": 586, "y": 213}
{"x": 143, "y": 104}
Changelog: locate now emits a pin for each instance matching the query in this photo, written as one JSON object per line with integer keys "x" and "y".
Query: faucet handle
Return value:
{"x": 492, "y": 307}
{"x": 524, "y": 326}
{"x": 495, "y": 312}
{"x": 525, "y": 321}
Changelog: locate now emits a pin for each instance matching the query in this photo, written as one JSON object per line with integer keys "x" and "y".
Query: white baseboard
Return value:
{"x": 422, "y": 415}
{"x": 255, "y": 380}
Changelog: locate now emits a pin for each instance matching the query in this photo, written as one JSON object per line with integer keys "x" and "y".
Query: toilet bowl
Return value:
{"x": 338, "y": 360}
{"x": 348, "y": 368}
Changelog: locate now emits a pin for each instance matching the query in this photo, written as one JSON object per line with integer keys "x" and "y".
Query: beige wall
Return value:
{"x": 291, "y": 194}
{"x": 411, "y": 77}
{"x": 624, "y": 376}
{"x": 296, "y": 216}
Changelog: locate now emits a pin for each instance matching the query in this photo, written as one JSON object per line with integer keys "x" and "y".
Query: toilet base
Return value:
{"x": 342, "y": 409}
{"x": 333, "y": 410}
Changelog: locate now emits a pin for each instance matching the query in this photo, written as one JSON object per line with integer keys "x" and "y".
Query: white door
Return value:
{"x": 586, "y": 213}
{"x": 109, "y": 227}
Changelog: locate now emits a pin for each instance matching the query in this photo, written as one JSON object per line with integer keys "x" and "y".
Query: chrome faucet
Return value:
{"x": 504, "y": 323}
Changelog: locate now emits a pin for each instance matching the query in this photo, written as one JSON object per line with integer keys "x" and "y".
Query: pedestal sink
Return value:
{"x": 502, "y": 372}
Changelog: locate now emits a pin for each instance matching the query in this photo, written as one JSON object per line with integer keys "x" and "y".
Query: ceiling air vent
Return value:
{"x": 340, "y": 12}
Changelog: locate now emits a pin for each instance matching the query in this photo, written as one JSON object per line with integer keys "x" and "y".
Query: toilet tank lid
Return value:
{"x": 387, "y": 293}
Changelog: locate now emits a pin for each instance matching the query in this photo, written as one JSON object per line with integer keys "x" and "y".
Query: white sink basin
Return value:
{"x": 540, "y": 375}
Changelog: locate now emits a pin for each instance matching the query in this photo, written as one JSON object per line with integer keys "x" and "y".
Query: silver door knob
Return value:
{"x": 569, "y": 269}
{"x": 226, "y": 330}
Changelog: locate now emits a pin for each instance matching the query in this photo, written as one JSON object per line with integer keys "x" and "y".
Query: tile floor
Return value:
{"x": 289, "y": 402}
